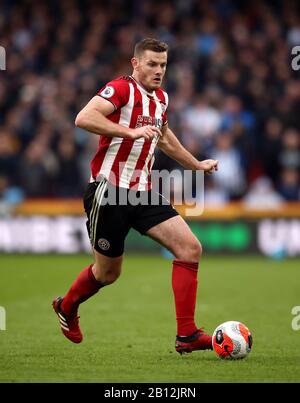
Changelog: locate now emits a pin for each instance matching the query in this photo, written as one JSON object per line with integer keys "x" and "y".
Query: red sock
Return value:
{"x": 184, "y": 283}
{"x": 83, "y": 288}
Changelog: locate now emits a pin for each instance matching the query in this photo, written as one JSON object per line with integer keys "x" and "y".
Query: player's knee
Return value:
{"x": 110, "y": 277}
{"x": 191, "y": 251}
{"x": 195, "y": 250}
{"x": 106, "y": 276}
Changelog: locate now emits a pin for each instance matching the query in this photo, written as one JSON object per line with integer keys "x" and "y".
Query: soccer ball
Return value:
{"x": 232, "y": 340}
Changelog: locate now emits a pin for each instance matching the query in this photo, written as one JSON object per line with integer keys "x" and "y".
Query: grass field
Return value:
{"x": 129, "y": 327}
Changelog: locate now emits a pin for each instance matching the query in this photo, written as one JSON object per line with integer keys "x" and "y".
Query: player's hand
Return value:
{"x": 146, "y": 132}
{"x": 209, "y": 166}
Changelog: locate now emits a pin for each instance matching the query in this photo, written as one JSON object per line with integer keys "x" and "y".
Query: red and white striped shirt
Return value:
{"x": 126, "y": 162}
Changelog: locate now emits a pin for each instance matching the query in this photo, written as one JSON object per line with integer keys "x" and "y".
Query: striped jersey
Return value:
{"x": 126, "y": 162}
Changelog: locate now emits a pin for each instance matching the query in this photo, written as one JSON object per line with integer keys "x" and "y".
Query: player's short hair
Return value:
{"x": 150, "y": 44}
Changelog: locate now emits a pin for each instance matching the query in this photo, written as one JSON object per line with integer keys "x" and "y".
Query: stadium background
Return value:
{"x": 233, "y": 96}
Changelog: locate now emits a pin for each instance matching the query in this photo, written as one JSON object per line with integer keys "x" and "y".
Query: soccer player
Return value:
{"x": 129, "y": 114}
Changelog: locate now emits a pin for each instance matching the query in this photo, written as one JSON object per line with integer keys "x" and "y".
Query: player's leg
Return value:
{"x": 107, "y": 229}
{"x": 175, "y": 235}
{"x": 104, "y": 271}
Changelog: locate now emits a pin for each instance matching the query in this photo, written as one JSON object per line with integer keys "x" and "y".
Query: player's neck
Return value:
{"x": 138, "y": 81}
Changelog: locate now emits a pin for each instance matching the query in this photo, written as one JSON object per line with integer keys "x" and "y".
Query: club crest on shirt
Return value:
{"x": 108, "y": 92}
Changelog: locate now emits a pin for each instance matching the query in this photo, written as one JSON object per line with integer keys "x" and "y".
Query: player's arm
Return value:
{"x": 172, "y": 147}
{"x": 93, "y": 119}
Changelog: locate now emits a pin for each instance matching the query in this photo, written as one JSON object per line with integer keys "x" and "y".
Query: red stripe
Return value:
{"x": 120, "y": 160}
{"x": 98, "y": 159}
{"x": 140, "y": 165}
{"x": 104, "y": 143}
{"x": 137, "y": 98}
{"x": 127, "y": 144}
{"x": 160, "y": 95}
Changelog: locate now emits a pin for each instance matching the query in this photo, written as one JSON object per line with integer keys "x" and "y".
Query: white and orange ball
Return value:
{"x": 232, "y": 340}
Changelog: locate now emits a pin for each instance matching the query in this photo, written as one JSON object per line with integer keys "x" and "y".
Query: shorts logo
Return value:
{"x": 103, "y": 244}
{"x": 108, "y": 92}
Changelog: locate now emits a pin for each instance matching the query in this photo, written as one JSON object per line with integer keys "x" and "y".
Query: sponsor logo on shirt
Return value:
{"x": 148, "y": 120}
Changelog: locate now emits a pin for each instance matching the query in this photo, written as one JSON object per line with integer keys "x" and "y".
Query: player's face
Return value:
{"x": 150, "y": 68}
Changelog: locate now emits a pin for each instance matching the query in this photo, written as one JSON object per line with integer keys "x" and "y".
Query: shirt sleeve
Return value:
{"x": 117, "y": 92}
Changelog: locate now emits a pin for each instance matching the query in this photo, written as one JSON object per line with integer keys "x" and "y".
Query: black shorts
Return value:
{"x": 110, "y": 219}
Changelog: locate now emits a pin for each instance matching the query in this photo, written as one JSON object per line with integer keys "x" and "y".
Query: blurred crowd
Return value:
{"x": 233, "y": 93}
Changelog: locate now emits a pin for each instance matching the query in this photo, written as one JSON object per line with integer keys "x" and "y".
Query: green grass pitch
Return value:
{"x": 129, "y": 327}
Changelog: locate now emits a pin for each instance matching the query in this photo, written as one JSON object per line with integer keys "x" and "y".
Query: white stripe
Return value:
{"x": 94, "y": 212}
{"x": 110, "y": 157}
{"x": 98, "y": 190}
{"x": 97, "y": 200}
{"x": 94, "y": 209}
{"x": 64, "y": 327}
{"x": 126, "y": 110}
{"x": 100, "y": 197}
{"x": 158, "y": 110}
{"x": 130, "y": 164}
{"x": 63, "y": 323}
{"x": 146, "y": 103}
{"x": 145, "y": 173}
{"x": 144, "y": 176}
{"x": 128, "y": 173}
{"x": 61, "y": 317}
{"x": 143, "y": 183}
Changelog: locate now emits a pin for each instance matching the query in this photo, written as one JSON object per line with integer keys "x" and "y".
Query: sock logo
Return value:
{"x": 103, "y": 244}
